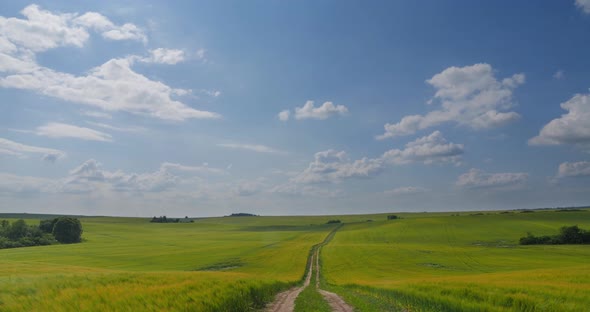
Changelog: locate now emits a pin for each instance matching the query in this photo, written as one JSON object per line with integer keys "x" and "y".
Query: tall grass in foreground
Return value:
{"x": 178, "y": 291}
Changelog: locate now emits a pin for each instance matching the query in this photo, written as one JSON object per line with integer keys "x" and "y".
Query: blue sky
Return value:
{"x": 142, "y": 108}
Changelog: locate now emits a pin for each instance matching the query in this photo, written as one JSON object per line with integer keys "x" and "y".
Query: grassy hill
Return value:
{"x": 422, "y": 262}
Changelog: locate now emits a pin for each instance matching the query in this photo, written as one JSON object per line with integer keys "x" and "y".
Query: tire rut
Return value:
{"x": 285, "y": 301}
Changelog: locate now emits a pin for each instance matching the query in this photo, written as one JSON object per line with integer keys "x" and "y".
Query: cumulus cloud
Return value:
{"x": 108, "y": 29}
{"x": 478, "y": 179}
{"x": 406, "y": 190}
{"x": 12, "y": 148}
{"x": 164, "y": 56}
{"x": 470, "y": 96}
{"x": 573, "y": 169}
{"x": 571, "y": 128}
{"x": 327, "y": 109}
{"x": 61, "y": 130}
{"x": 284, "y": 115}
{"x": 583, "y": 5}
{"x": 252, "y": 147}
{"x": 112, "y": 86}
{"x": 309, "y": 111}
{"x": 42, "y": 30}
{"x": 335, "y": 166}
{"x": 430, "y": 149}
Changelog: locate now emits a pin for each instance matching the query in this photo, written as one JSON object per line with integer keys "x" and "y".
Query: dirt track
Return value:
{"x": 285, "y": 301}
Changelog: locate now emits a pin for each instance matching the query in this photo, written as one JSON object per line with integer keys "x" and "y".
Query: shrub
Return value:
{"x": 567, "y": 235}
{"x": 67, "y": 230}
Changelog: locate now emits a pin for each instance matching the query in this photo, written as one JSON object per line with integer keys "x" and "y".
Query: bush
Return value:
{"x": 392, "y": 217}
{"x": 47, "y": 225}
{"x": 333, "y": 222}
{"x": 567, "y": 235}
{"x": 67, "y": 230}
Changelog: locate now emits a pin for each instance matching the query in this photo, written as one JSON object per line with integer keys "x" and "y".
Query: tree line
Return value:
{"x": 65, "y": 230}
{"x": 567, "y": 235}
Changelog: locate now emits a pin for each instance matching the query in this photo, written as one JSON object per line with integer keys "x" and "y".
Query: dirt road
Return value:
{"x": 285, "y": 301}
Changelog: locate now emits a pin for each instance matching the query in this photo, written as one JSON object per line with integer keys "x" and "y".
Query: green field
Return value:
{"x": 423, "y": 262}
{"x": 468, "y": 262}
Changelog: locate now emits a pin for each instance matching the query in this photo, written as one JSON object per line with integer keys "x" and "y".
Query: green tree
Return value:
{"x": 67, "y": 230}
{"x": 47, "y": 225}
{"x": 17, "y": 230}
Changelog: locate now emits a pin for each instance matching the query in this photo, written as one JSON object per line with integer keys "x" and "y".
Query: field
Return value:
{"x": 470, "y": 262}
{"x": 422, "y": 262}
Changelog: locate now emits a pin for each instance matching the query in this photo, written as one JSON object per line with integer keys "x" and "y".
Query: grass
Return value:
{"x": 466, "y": 263}
{"x": 422, "y": 262}
{"x": 216, "y": 264}
{"x": 310, "y": 300}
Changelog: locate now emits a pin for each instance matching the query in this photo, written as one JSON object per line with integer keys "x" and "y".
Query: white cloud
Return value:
{"x": 406, "y": 190}
{"x": 470, "y": 96}
{"x": 334, "y": 166}
{"x": 98, "y": 22}
{"x": 21, "y": 150}
{"x": 125, "y": 32}
{"x": 571, "y": 128}
{"x": 112, "y": 86}
{"x": 42, "y": 30}
{"x": 476, "y": 178}
{"x": 61, "y": 130}
{"x": 430, "y": 149}
{"x": 252, "y": 147}
{"x": 165, "y": 56}
{"x": 573, "y": 169}
{"x": 325, "y": 111}
{"x": 284, "y": 115}
{"x": 560, "y": 74}
{"x": 584, "y": 5}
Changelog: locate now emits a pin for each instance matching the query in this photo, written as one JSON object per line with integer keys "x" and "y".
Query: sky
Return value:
{"x": 207, "y": 108}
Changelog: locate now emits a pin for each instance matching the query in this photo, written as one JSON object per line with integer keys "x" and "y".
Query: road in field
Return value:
{"x": 285, "y": 301}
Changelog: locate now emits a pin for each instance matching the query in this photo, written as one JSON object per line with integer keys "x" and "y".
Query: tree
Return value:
{"x": 67, "y": 230}
{"x": 47, "y": 225}
{"x": 17, "y": 230}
